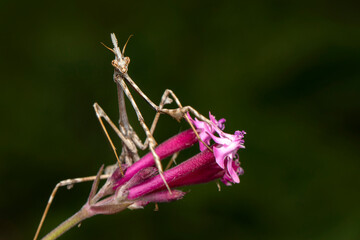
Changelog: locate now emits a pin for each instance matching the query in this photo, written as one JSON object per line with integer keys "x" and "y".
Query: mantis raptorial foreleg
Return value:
{"x": 179, "y": 112}
{"x": 126, "y": 140}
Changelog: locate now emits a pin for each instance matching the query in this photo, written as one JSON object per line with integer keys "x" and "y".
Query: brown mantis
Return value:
{"x": 130, "y": 140}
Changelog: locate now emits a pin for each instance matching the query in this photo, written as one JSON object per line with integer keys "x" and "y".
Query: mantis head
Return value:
{"x": 120, "y": 62}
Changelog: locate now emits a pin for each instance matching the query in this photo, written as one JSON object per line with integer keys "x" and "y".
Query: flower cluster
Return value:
{"x": 141, "y": 183}
{"x": 225, "y": 148}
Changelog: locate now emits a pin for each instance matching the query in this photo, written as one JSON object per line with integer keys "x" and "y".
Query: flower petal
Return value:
{"x": 232, "y": 172}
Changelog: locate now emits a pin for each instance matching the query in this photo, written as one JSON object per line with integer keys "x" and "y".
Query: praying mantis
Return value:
{"x": 130, "y": 140}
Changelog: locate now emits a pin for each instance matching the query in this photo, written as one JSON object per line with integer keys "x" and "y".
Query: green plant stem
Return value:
{"x": 68, "y": 224}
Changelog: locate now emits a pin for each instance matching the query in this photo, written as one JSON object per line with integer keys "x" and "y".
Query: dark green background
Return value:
{"x": 286, "y": 72}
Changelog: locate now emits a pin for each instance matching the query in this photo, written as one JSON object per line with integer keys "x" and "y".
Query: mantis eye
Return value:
{"x": 115, "y": 63}
{"x": 127, "y": 60}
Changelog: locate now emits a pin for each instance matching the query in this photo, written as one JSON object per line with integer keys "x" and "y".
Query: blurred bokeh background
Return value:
{"x": 286, "y": 72}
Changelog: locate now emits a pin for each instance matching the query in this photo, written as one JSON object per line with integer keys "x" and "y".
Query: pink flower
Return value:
{"x": 141, "y": 183}
{"x": 225, "y": 149}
